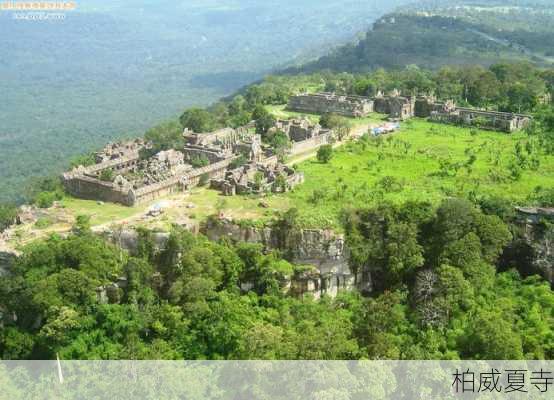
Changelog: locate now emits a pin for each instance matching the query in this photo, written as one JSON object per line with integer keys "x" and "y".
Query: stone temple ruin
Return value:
{"x": 399, "y": 107}
{"x": 123, "y": 174}
{"x": 303, "y": 134}
{"x": 264, "y": 174}
{"x": 448, "y": 112}
{"x": 258, "y": 178}
{"x": 319, "y": 103}
{"x": 396, "y": 106}
{"x": 492, "y": 120}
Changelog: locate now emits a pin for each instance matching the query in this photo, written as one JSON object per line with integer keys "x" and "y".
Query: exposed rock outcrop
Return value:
{"x": 538, "y": 232}
{"x": 128, "y": 239}
{"x": 324, "y": 249}
{"x": 7, "y": 258}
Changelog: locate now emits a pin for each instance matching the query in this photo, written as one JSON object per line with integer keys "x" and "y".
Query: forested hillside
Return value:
{"x": 431, "y": 34}
{"x": 428, "y": 214}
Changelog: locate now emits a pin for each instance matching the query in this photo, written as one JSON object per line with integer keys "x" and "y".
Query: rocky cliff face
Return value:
{"x": 538, "y": 231}
{"x": 7, "y": 258}
{"x": 128, "y": 239}
{"x": 323, "y": 249}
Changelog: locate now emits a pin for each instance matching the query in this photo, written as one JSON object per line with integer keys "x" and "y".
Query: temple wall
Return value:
{"x": 423, "y": 108}
{"x": 320, "y": 104}
{"x": 214, "y": 171}
{"x": 482, "y": 119}
{"x": 191, "y": 152}
{"x": 381, "y": 105}
{"x": 309, "y": 144}
{"x": 122, "y": 164}
{"x": 93, "y": 189}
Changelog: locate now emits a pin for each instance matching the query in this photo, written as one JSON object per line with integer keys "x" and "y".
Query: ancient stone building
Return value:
{"x": 252, "y": 149}
{"x": 225, "y": 138}
{"x": 397, "y": 107}
{"x": 320, "y": 103}
{"x": 113, "y": 151}
{"x": 121, "y": 176}
{"x": 303, "y": 134}
{"x": 256, "y": 178}
{"x": 426, "y": 105}
{"x": 491, "y": 120}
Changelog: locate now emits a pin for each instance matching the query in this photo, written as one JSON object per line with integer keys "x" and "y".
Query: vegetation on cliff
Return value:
{"x": 436, "y": 295}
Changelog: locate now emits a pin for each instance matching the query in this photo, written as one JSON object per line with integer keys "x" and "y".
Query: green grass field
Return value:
{"x": 100, "y": 213}
{"x": 406, "y": 166}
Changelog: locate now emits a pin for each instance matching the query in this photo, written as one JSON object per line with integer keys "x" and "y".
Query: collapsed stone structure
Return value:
{"x": 396, "y": 106}
{"x": 123, "y": 174}
{"x": 492, "y": 120}
{"x": 319, "y": 103}
{"x": 425, "y": 105}
{"x": 264, "y": 173}
{"x": 303, "y": 134}
{"x": 258, "y": 178}
{"x": 399, "y": 107}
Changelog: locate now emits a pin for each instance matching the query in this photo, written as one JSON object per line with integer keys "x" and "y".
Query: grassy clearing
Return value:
{"x": 101, "y": 213}
{"x": 407, "y": 167}
{"x": 208, "y": 202}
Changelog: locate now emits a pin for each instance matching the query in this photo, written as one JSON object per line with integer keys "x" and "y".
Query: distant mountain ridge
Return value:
{"x": 435, "y": 33}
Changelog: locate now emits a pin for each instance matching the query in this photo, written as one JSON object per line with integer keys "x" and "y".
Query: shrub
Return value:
{"x": 325, "y": 153}
{"x": 47, "y": 199}
{"x": 199, "y": 161}
{"x": 106, "y": 175}
{"x": 238, "y": 162}
{"x": 8, "y": 213}
{"x": 43, "y": 223}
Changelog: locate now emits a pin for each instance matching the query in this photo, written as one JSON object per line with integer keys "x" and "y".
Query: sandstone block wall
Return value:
{"x": 94, "y": 189}
{"x": 319, "y": 103}
{"x": 310, "y": 144}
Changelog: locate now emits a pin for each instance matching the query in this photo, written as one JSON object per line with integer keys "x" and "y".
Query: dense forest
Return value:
{"x": 438, "y": 295}
{"x": 432, "y": 34}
